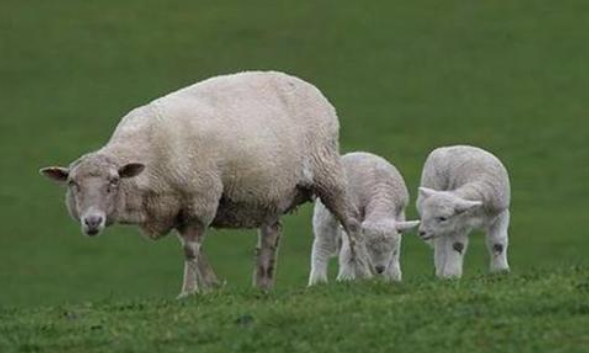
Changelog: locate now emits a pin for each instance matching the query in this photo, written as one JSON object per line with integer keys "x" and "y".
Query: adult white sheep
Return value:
{"x": 464, "y": 188}
{"x": 235, "y": 151}
{"x": 379, "y": 193}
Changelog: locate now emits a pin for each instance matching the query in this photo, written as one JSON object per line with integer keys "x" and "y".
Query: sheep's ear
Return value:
{"x": 131, "y": 170}
{"x": 426, "y": 192}
{"x": 405, "y": 226}
{"x": 59, "y": 174}
{"x": 465, "y": 205}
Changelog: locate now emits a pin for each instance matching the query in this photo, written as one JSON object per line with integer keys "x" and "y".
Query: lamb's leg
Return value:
{"x": 393, "y": 271}
{"x": 439, "y": 244}
{"x": 326, "y": 230}
{"x": 450, "y": 251}
{"x": 347, "y": 270}
{"x": 266, "y": 251}
{"x": 330, "y": 186}
{"x": 497, "y": 241}
{"x": 191, "y": 238}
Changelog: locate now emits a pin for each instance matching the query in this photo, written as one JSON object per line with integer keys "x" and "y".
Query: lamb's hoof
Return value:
{"x": 449, "y": 276}
{"x": 500, "y": 271}
{"x": 345, "y": 277}
{"x": 396, "y": 277}
{"x": 186, "y": 294}
{"x": 317, "y": 281}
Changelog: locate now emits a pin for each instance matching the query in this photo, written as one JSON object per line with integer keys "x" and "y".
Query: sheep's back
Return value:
{"x": 256, "y": 131}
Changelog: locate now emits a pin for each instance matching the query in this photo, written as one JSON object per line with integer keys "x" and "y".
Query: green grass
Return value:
{"x": 405, "y": 76}
{"x": 538, "y": 312}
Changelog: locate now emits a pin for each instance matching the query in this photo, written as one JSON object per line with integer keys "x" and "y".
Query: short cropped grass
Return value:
{"x": 537, "y": 312}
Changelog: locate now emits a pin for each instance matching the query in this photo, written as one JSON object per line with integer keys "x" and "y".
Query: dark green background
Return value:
{"x": 405, "y": 76}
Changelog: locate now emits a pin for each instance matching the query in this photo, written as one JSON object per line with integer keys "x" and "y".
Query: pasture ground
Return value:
{"x": 406, "y": 77}
{"x": 536, "y": 312}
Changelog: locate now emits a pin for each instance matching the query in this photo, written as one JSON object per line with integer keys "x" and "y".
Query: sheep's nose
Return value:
{"x": 379, "y": 269}
{"x": 93, "y": 221}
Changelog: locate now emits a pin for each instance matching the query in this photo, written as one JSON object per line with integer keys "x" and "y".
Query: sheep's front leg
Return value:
{"x": 191, "y": 238}
{"x": 266, "y": 252}
{"x": 497, "y": 241}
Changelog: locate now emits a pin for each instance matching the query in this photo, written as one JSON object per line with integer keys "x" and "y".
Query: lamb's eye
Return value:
{"x": 442, "y": 219}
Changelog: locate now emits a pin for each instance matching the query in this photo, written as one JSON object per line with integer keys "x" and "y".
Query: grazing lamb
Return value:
{"x": 379, "y": 193}
{"x": 235, "y": 151}
{"x": 463, "y": 188}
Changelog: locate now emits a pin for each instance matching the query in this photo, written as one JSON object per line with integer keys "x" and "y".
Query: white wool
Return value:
{"x": 234, "y": 151}
{"x": 464, "y": 188}
{"x": 379, "y": 192}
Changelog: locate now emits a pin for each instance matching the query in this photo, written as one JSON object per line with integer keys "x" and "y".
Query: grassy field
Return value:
{"x": 405, "y": 77}
{"x": 536, "y": 312}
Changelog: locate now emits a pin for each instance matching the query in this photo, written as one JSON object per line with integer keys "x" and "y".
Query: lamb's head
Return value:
{"x": 442, "y": 212}
{"x": 382, "y": 239}
{"x": 93, "y": 189}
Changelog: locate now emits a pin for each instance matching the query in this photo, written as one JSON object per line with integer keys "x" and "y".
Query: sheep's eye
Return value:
{"x": 442, "y": 219}
{"x": 72, "y": 184}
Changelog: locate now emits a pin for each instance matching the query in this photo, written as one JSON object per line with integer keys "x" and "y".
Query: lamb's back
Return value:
{"x": 372, "y": 179}
{"x": 474, "y": 172}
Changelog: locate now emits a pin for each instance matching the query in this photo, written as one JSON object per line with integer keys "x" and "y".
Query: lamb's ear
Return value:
{"x": 59, "y": 174}
{"x": 426, "y": 192}
{"x": 131, "y": 170}
{"x": 384, "y": 225}
{"x": 465, "y": 205}
{"x": 405, "y": 226}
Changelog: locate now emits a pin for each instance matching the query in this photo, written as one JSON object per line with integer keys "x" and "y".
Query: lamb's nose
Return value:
{"x": 93, "y": 221}
{"x": 379, "y": 269}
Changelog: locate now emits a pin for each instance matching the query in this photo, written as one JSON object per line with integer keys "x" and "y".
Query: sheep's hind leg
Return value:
{"x": 206, "y": 277}
{"x": 497, "y": 241}
{"x": 191, "y": 238}
{"x": 266, "y": 252}
{"x": 330, "y": 186}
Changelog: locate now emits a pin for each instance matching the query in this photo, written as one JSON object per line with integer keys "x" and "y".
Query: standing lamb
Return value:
{"x": 379, "y": 193}
{"x": 464, "y": 188}
{"x": 235, "y": 151}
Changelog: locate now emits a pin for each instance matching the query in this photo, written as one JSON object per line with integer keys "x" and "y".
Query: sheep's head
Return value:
{"x": 441, "y": 212}
{"x": 382, "y": 240}
{"x": 93, "y": 189}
